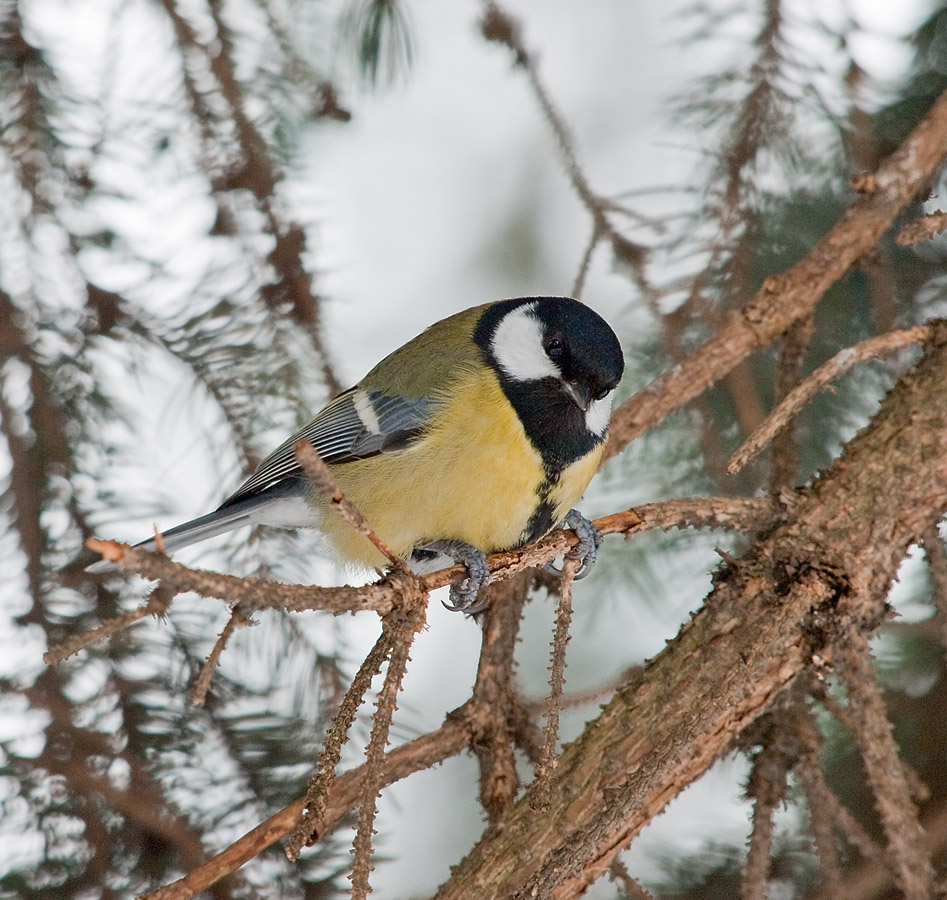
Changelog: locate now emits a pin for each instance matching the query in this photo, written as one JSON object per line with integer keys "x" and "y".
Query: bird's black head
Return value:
{"x": 558, "y": 362}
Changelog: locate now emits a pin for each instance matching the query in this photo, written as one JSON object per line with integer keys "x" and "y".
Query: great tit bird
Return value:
{"x": 480, "y": 434}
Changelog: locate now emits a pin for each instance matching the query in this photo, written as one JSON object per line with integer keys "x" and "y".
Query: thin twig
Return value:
{"x": 202, "y": 684}
{"x": 249, "y": 592}
{"x": 498, "y": 25}
{"x": 553, "y": 706}
{"x": 827, "y": 372}
{"x": 316, "y": 800}
{"x": 792, "y": 355}
{"x": 630, "y": 887}
{"x": 855, "y": 833}
{"x": 157, "y": 605}
{"x": 907, "y": 855}
{"x": 403, "y": 630}
{"x": 767, "y": 787}
{"x": 809, "y": 770}
{"x": 578, "y": 285}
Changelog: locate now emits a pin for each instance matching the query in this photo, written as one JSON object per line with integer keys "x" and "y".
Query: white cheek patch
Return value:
{"x": 517, "y": 347}
{"x": 598, "y": 414}
{"x": 366, "y": 412}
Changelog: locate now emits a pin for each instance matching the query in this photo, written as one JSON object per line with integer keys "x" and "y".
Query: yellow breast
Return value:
{"x": 473, "y": 477}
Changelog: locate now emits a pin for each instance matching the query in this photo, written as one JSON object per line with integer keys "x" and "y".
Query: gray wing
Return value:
{"x": 359, "y": 423}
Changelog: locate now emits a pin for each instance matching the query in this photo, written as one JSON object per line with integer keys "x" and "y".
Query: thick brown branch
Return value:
{"x": 792, "y": 296}
{"x": 794, "y": 593}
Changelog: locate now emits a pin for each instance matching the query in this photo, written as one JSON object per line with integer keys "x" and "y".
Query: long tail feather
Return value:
{"x": 283, "y": 504}
{"x": 203, "y": 527}
{"x": 227, "y": 518}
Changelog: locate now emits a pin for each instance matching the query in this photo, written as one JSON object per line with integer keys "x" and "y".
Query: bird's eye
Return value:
{"x": 554, "y": 349}
{"x": 602, "y": 394}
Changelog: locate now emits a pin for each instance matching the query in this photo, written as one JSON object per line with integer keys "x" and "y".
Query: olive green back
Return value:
{"x": 423, "y": 366}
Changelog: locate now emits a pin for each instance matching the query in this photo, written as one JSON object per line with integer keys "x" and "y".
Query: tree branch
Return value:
{"x": 422, "y": 753}
{"x": 837, "y": 366}
{"x": 251, "y": 593}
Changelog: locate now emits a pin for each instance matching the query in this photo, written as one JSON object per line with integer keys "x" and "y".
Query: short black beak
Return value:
{"x": 578, "y": 393}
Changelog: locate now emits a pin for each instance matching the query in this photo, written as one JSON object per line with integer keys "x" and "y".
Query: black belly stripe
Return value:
{"x": 540, "y": 522}
{"x": 543, "y": 518}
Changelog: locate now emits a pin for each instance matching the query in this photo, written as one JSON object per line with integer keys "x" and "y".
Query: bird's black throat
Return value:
{"x": 555, "y": 426}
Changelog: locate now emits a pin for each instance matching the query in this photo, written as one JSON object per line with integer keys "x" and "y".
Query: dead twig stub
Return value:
{"x": 922, "y": 229}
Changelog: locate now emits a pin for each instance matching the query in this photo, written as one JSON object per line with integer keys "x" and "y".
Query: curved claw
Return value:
{"x": 558, "y": 571}
{"x": 463, "y": 596}
{"x": 590, "y": 539}
{"x": 464, "y": 602}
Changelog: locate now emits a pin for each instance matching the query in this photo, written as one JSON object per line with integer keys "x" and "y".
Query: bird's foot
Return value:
{"x": 590, "y": 539}
{"x": 463, "y": 596}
